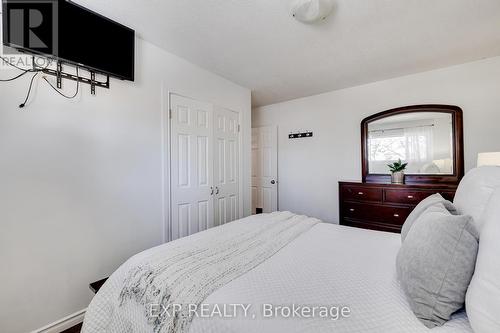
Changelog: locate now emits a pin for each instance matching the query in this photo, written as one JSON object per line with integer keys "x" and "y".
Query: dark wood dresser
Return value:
{"x": 384, "y": 207}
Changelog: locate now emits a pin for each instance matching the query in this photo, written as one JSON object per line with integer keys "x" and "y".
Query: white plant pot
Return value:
{"x": 398, "y": 177}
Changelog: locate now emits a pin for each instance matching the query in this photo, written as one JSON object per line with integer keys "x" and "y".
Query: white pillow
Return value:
{"x": 483, "y": 295}
{"x": 475, "y": 190}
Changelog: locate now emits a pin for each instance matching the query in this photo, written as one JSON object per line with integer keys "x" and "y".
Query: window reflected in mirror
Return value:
{"x": 424, "y": 140}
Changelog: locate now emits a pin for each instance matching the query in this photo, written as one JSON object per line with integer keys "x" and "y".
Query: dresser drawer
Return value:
{"x": 411, "y": 197}
{"x": 355, "y": 193}
{"x": 379, "y": 213}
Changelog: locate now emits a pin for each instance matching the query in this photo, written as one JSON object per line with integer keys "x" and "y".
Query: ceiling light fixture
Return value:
{"x": 312, "y": 11}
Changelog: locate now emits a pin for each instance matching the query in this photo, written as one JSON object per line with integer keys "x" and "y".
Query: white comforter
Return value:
{"x": 328, "y": 265}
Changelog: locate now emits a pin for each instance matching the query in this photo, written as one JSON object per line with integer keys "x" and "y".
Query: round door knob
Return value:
{"x": 273, "y": 182}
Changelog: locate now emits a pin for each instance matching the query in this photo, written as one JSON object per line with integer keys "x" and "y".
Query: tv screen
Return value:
{"x": 69, "y": 32}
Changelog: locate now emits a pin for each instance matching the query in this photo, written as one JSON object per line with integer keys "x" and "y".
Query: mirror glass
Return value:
{"x": 424, "y": 140}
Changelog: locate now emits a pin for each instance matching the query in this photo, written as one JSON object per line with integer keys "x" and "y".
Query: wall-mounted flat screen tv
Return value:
{"x": 69, "y": 32}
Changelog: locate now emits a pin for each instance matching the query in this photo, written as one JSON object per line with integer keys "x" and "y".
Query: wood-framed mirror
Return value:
{"x": 427, "y": 137}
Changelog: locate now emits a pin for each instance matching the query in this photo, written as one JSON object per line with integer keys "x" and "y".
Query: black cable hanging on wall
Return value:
{"x": 60, "y": 93}
{"x": 59, "y": 74}
{"x": 23, "y": 73}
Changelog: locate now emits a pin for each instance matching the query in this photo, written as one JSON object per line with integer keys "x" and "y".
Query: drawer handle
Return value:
{"x": 352, "y": 209}
{"x": 410, "y": 197}
{"x": 360, "y": 193}
{"x": 396, "y": 215}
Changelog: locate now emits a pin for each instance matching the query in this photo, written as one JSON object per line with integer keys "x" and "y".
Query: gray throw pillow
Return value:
{"x": 436, "y": 262}
{"x": 421, "y": 207}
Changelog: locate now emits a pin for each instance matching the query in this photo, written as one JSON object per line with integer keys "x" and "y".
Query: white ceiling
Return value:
{"x": 257, "y": 44}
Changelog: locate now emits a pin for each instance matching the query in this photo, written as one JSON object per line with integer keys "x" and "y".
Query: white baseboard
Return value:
{"x": 63, "y": 324}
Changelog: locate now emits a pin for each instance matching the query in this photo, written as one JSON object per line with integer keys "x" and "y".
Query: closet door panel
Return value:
{"x": 191, "y": 166}
{"x": 226, "y": 165}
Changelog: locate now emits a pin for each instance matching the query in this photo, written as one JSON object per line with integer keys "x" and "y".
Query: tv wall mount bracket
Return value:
{"x": 60, "y": 75}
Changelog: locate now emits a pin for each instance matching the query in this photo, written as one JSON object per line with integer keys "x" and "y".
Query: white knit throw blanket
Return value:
{"x": 190, "y": 271}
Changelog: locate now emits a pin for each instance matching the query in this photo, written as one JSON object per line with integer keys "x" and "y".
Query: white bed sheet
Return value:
{"x": 328, "y": 265}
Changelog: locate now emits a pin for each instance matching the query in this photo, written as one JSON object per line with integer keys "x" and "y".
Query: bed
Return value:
{"x": 321, "y": 265}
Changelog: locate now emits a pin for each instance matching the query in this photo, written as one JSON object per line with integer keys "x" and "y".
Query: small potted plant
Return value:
{"x": 398, "y": 172}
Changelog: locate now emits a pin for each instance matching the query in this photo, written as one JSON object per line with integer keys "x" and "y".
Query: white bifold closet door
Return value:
{"x": 191, "y": 166}
{"x": 204, "y": 166}
{"x": 226, "y": 166}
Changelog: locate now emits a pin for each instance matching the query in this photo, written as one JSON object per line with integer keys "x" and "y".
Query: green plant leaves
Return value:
{"x": 397, "y": 166}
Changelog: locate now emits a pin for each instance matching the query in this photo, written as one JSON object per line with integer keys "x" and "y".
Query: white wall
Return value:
{"x": 309, "y": 169}
{"x": 81, "y": 182}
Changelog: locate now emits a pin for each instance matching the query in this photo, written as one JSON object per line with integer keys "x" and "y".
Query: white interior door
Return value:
{"x": 191, "y": 166}
{"x": 264, "y": 169}
{"x": 226, "y": 165}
